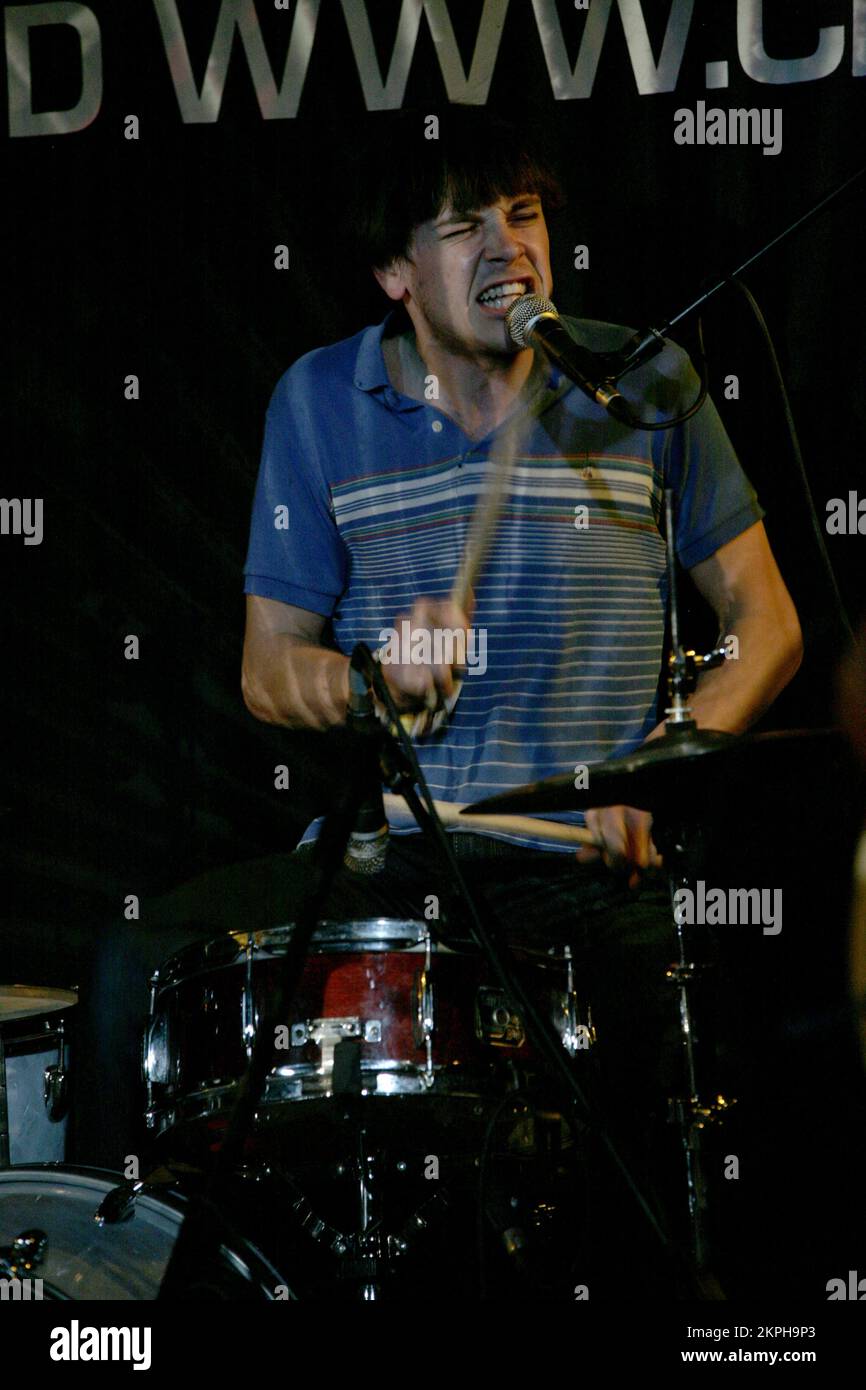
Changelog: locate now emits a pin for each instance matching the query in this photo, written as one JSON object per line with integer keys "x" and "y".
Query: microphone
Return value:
{"x": 368, "y": 842}
{"x": 533, "y": 321}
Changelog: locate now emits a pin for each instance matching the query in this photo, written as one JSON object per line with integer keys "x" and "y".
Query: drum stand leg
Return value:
{"x": 368, "y": 1218}
{"x": 692, "y": 1115}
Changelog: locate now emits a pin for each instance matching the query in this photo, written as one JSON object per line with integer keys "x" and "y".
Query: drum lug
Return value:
{"x": 576, "y": 1036}
{"x": 24, "y": 1254}
{"x": 248, "y": 1010}
{"x": 424, "y": 1016}
{"x": 55, "y": 1092}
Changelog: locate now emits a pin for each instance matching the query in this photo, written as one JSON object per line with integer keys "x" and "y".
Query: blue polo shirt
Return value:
{"x": 363, "y": 502}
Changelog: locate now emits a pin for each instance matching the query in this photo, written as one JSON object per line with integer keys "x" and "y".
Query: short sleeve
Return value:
{"x": 715, "y": 501}
{"x": 295, "y": 551}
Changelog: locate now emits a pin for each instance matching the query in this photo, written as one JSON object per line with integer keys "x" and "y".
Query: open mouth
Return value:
{"x": 500, "y": 297}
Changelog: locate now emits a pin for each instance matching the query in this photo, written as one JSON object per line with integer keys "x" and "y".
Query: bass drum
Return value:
{"x": 56, "y": 1212}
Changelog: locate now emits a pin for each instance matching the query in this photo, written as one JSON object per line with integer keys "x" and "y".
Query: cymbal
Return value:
{"x": 682, "y": 767}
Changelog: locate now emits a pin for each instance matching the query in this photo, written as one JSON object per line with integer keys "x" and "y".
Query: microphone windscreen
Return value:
{"x": 366, "y": 852}
{"x": 522, "y": 314}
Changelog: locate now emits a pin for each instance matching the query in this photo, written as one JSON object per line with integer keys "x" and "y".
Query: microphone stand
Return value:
{"x": 648, "y": 342}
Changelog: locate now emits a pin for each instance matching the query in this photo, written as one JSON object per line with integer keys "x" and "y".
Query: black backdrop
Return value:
{"x": 155, "y": 256}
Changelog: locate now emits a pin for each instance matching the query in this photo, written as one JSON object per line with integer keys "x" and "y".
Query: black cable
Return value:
{"x": 798, "y": 455}
{"x": 698, "y": 401}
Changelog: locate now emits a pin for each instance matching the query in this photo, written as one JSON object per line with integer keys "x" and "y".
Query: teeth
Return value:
{"x": 502, "y": 294}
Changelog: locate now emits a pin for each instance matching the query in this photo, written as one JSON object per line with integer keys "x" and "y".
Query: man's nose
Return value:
{"x": 501, "y": 242}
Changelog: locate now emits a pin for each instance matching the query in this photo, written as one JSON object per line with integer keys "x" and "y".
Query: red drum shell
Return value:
{"x": 362, "y": 981}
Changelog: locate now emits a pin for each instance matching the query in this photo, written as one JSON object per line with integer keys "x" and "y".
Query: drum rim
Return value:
{"x": 57, "y": 1000}
{"x": 255, "y": 1260}
{"x": 361, "y": 934}
{"x": 369, "y": 935}
{"x": 51, "y": 1172}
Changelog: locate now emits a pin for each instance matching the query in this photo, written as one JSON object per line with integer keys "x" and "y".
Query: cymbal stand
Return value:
{"x": 680, "y": 841}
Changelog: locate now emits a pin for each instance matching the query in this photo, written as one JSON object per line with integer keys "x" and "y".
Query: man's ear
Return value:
{"x": 392, "y": 278}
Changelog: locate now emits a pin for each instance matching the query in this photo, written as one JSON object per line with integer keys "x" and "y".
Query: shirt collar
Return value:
{"x": 371, "y": 374}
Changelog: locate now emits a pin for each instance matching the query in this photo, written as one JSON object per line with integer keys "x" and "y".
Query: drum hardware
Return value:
{"x": 119, "y": 1204}
{"x": 54, "y": 1088}
{"x": 496, "y": 1022}
{"x": 369, "y": 1249}
{"x": 424, "y": 1017}
{"x": 55, "y": 1091}
{"x": 33, "y": 1067}
{"x": 684, "y": 974}
{"x": 576, "y": 1036}
{"x": 248, "y": 1010}
{"x": 690, "y": 1111}
{"x": 681, "y": 846}
{"x": 327, "y": 1033}
{"x": 25, "y": 1254}
{"x": 148, "y": 1054}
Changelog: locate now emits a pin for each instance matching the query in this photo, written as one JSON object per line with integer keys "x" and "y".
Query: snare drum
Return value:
{"x": 34, "y": 1070}
{"x": 381, "y": 1010}
{"x": 65, "y": 1228}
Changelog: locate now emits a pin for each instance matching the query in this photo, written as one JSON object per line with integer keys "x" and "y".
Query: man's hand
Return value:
{"x": 417, "y": 684}
{"x": 623, "y": 840}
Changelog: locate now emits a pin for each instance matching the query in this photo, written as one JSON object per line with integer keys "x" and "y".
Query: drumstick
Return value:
{"x": 481, "y": 528}
{"x": 554, "y": 832}
{"x": 485, "y": 517}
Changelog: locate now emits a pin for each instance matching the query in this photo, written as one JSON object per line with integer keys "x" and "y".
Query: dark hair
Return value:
{"x": 404, "y": 178}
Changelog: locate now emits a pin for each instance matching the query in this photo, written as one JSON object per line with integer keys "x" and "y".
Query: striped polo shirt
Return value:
{"x": 363, "y": 502}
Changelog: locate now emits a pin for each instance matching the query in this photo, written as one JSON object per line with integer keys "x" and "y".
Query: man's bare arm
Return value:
{"x": 742, "y": 583}
{"x": 288, "y": 676}
{"x": 748, "y": 595}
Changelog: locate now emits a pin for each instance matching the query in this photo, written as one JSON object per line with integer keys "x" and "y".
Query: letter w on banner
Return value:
{"x": 197, "y": 108}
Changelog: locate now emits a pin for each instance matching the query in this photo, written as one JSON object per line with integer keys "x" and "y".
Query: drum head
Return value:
{"x": 27, "y": 1001}
{"x": 125, "y": 1260}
